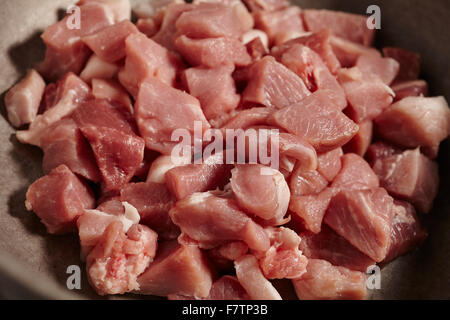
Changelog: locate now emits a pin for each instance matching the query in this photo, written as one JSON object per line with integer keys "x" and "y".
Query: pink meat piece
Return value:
{"x": 116, "y": 262}
{"x": 266, "y": 5}
{"x": 211, "y": 20}
{"x": 214, "y": 88}
{"x": 253, "y": 280}
{"x": 407, "y": 233}
{"x": 23, "y": 100}
{"x": 147, "y": 26}
{"x": 205, "y": 218}
{"x": 355, "y": 173}
{"x": 298, "y": 149}
{"x": 303, "y": 184}
{"x": 415, "y": 121}
{"x": 372, "y": 65}
{"x": 66, "y": 52}
{"x": 328, "y": 245}
{"x": 70, "y": 93}
{"x": 177, "y": 269}
{"x": 283, "y": 260}
{"x": 410, "y": 176}
{"x": 118, "y": 154}
{"x": 329, "y": 163}
{"x": 342, "y": 24}
{"x": 261, "y": 191}
{"x": 364, "y": 218}
{"x": 361, "y": 141}
{"x": 273, "y": 85}
{"x": 168, "y": 32}
{"x": 121, "y": 9}
{"x": 157, "y": 122}
{"x": 113, "y": 92}
{"x": 213, "y": 52}
{"x": 256, "y": 49}
{"x": 323, "y": 281}
{"x": 280, "y": 24}
{"x": 309, "y": 210}
{"x": 102, "y": 113}
{"x": 98, "y": 68}
{"x": 162, "y": 164}
{"x": 153, "y": 201}
{"x": 109, "y": 43}
{"x": 414, "y": 88}
{"x": 185, "y": 180}
{"x": 380, "y": 150}
{"x": 320, "y": 42}
{"x": 248, "y": 118}
{"x": 409, "y": 63}
{"x": 58, "y": 199}
{"x": 348, "y": 52}
{"x": 63, "y": 143}
{"x": 145, "y": 59}
{"x": 308, "y": 65}
{"x": 317, "y": 120}
{"x": 367, "y": 97}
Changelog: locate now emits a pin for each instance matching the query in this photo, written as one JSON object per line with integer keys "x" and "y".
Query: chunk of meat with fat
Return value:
{"x": 328, "y": 245}
{"x": 157, "y": 122}
{"x": 261, "y": 191}
{"x": 113, "y": 92}
{"x": 364, "y": 218}
{"x": 161, "y": 165}
{"x": 71, "y": 92}
{"x": 318, "y": 121}
{"x": 58, "y": 199}
{"x": 23, "y": 100}
{"x": 323, "y": 281}
{"x": 410, "y": 176}
{"x": 177, "y": 269}
{"x": 98, "y": 68}
{"x": 205, "y": 218}
{"x": 415, "y": 121}
{"x": 253, "y": 280}
{"x": 273, "y": 85}
{"x": 117, "y": 260}
{"x": 342, "y": 24}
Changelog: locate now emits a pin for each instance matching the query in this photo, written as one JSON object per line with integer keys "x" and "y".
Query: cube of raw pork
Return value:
{"x": 380, "y": 150}
{"x": 317, "y": 120}
{"x": 361, "y": 141}
{"x": 328, "y": 245}
{"x": 302, "y": 184}
{"x": 261, "y": 191}
{"x": 415, "y": 121}
{"x": 407, "y": 233}
{"x": 410, "y": 176}
{"x": 355, "y": 174}
{"x": 273, "y": 85}
{"x": 119, "y": 257}
{"x": 364, "y": 218}
{"x": 177, "y": 269}
{"x": 121, "y": 9}
{"x": 329, "y": 163}
{"x": 113, "y": 92}
{"x": 214, "y": 88}
{"x": 205, "y": 218}
{"x": 348, "y": 52}
{"x": 374, "y": 65}
{"x": 23, "y": 100}
{"x": 153, "y": 202}
{"x": 161, "y": 165}
{"x": 342, "y": 24}
{"x": 323, "y": 281}
{"x": 409, "y": 63}
{"x": 98, "y": 68}
{"x": 109, "y": 43}
{"x": 161, "y": 109}
{"x": 70, "y": 93}
{"x": 58, "y": 199}
{"x": 253, "y": 280}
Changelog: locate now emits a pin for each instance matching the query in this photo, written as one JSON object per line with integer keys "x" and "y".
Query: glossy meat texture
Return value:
{"x": 317, "y": 120}
{"x": 153, "y": 201}
{"x": 273, "y": 85}
{"x": 364, "y": 218}
{"x": 212, "y": 220}
{"x": 58, "y": 199}
{"x": 98, "y": 68}
{"x": 410, "y": 176}
{"x": 303, "y": 184}
{"x": 177, "y": 269}
{"x": 23, "y": 100}
{"x": 118, "y": 258}
{"x": 323, "y": 281}
{"x": 161, "y": 165}
{"x": 355, "y": 173}
{"x": 261, "y": 191}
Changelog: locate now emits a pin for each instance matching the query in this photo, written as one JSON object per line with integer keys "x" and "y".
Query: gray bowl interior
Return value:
{"x": 33, "y": 264}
